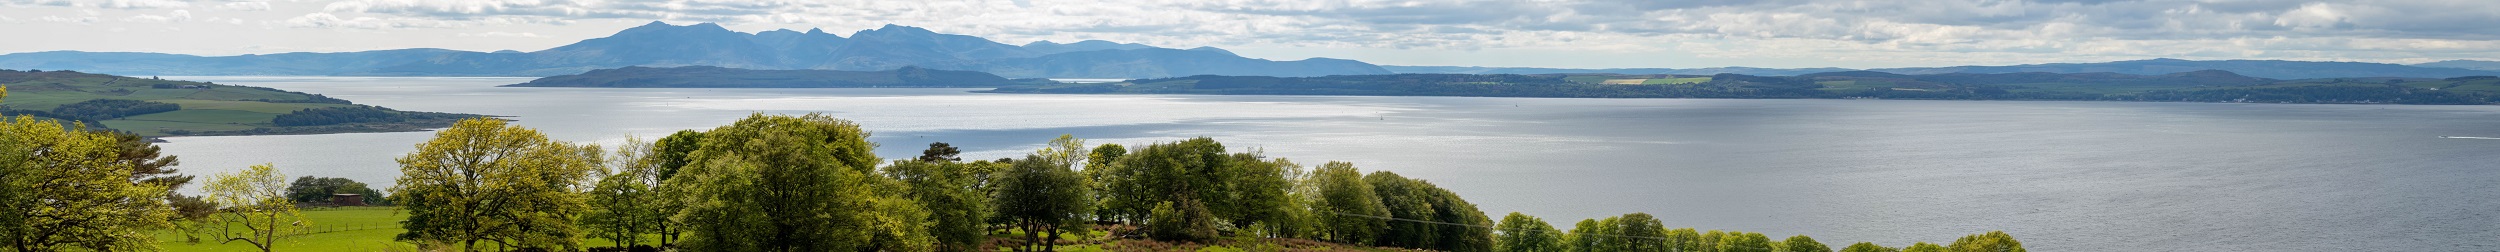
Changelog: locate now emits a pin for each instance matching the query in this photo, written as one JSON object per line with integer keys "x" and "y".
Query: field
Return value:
{"x": 205, "y": 107}
{"x": 1664, "y": 81}
{"x": 339, "y": 229}
{"x": 329, "y": 229}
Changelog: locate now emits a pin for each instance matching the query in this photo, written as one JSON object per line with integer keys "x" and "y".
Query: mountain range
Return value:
{"x": 891, "y": 47}
{"x": 663, "y": 45}
{"x": 2274, "y": 69}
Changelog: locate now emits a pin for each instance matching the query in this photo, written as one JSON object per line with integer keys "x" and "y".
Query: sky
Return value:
{"x": 1512, "y": 33}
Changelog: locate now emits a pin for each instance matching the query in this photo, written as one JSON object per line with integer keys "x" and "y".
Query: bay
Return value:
{"x": 2061, "y": 176}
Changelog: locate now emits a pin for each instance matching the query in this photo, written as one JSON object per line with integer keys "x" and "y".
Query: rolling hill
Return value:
{"x": 156, "y": 107}
{"x": 663, "y": 45}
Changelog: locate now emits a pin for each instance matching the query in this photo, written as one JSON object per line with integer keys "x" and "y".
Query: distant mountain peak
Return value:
{"x": 815, "y": 31}
{"x": 1213, "y": 49}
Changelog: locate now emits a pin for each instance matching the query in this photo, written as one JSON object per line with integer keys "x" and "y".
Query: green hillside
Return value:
{"x": 141, "y": 105}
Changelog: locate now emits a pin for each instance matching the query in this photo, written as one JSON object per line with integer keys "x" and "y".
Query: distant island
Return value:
{"x": 2193, "y": 86}
{"x": 152, "y": 107}
{"x": 706, "y": 44}
{"x": 720, "y": 77}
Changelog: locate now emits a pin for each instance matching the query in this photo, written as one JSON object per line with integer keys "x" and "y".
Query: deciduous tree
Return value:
{"x": 65, "y": 188}
{"x": 1039, "y": 195}
{"x": 1348, "y": 208}
{"x": 484, "y": 180}
{"x": 624, "y": 204}
{"x": 255, "y": 200}
{"x": 1993, "y": 241}
{"x": 784, "y": 183}
{"x": 1523, "y": 233}
{"x": 1801, "y": 243}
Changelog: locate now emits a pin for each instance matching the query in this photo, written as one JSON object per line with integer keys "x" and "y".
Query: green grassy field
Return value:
{"x": 341, "y": 229}
{"x": 205, "y": 107}
{"x": 329, "y": 229}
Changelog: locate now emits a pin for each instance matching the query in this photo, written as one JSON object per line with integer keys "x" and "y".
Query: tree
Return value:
{"x": 1523, "y": 233}
{"x": 1412, "y": 200}
{"x": 1593, "y": 235}
{"x": 1642, "y": 233}
{"x": 255, "y": 199}
{"x": 147, "y": 165}
{"x": 786, "y": 183}
{"x": 483, "y": 180}
{"x": 1099, "y": 167}
{"x": 1868, "y": 247}
{"x": 676, "y": 151}
{"x": 1040, "y": 195}
{"x": 1993, "y": 241}
{"x": 1745, "y": 242}
{"x": 1924, "y": 247}
{"x": 64, "y": 188}
{"x": 317, "y": 190}
{"x": 958, "y": 209}
{"x": 624, "y": 203}
{"x": 940, "y": 151}
{"x": 1801, "y": 243}
{"x": 1194, "y": 170}
{"x": 1348, "y": 207}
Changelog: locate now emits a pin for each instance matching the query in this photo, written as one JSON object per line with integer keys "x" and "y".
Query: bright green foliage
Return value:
{"x": 1746, "y": 242}
{"x": 1869, "y": 247}
{"x": 1260, "y": 194}
{"x": 1685, "y": 239}
{"x": 784, "y": 183}
{"x": 1924, "y": 247}
{"x": 1241, "y": 189}
{"x": 1167, "y": 172}
{"x": 1099, "y": 164}
{"x": 1993, "y": 241}
{"x": 1801, "y": 243}
{"x": 625, "y": 205}
{"x": 1647, "y": 228}
{"x": 483, "y": 180}
{"x": 1710, "y": 241}
{"x": 1593, "y": 235}
{"x": 675, "y": 151}
{"x": 1180, "y": 220}
{"x": 64, "y": 188}
{"x": 1523, "y": 233}
{"x": 947, "y": 190}
{"x": 255, "y": 199}
{"x": 1346, "y": 205}
{"x": 1039, "y": 195}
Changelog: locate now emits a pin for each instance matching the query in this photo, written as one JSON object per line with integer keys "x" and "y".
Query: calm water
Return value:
{"x": 2061, "y": 176}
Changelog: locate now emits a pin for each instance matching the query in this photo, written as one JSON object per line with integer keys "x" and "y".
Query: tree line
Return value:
{"x": 792, "y": 183}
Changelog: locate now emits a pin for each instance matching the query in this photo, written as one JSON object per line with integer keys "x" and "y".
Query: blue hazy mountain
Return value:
{"x": 1538, "y": 70}
{"x": 2464, "y": 64}
{"x": 662, "y": 45}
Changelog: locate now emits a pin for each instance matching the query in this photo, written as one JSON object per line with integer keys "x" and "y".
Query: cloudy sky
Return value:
{"x": 1538, "y": 33}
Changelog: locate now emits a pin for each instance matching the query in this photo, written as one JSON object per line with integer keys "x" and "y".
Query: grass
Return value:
{"x": 214, "y": 108}
{"x": 331, "y": 229}
{"x": 339, "y": 229}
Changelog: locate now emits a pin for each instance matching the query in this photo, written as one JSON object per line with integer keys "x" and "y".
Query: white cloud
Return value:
{"x": 244, "y": 6}
{"x": 1889, "y": 32}
{"x": 73, "y": 20}
{"x": 175, "y": 16}
{"x": 497, "y": 34}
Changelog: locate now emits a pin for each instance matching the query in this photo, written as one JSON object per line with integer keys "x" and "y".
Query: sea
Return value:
{"x": 2058, "y": 175}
